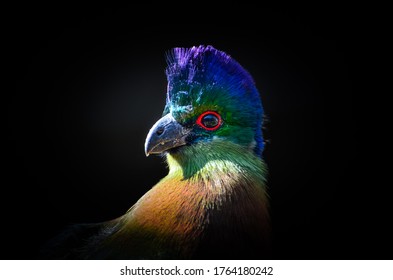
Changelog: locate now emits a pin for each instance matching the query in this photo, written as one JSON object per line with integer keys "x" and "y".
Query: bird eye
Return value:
{"x": 209, "y": 120}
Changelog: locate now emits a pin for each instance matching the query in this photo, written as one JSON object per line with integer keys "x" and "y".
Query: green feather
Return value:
{"x": 213, "y": 203}
{"x": 214, "y": 193}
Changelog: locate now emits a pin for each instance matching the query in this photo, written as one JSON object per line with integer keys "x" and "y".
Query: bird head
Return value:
{"x": 211, "y": 98}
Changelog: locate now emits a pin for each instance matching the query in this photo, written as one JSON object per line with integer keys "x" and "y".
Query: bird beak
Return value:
{"x": 165, "y": 134}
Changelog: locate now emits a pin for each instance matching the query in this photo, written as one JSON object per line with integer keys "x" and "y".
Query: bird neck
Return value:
{"x": 212, "y": 194}
{"x": 207, "y": 161}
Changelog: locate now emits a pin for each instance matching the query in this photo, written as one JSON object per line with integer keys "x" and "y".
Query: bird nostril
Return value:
{"x": 160, "y": 131}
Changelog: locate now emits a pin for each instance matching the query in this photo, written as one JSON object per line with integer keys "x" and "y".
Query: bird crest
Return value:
{"x": 202, "y": 77}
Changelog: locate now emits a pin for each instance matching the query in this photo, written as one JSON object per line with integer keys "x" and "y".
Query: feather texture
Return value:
{"x": 219, "y": 201}
{"x": 204, "y": 78}
{"x": 213, "y": 203}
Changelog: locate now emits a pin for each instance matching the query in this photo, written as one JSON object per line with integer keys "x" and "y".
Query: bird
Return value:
{"x": 214, "y": 201}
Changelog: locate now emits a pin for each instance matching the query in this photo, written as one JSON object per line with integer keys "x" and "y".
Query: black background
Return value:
{"x": 90, "y": 83}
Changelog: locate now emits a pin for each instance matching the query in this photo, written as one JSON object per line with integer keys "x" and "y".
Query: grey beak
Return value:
{"x": 165, "y": 134}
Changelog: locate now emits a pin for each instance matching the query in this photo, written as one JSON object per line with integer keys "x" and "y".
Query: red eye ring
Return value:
{"x": 202, "y": 118}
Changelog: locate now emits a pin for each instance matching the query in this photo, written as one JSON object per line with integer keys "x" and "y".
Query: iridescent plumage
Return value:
{"x": 202, "y": 77}
{"x": 213, "y": 203}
